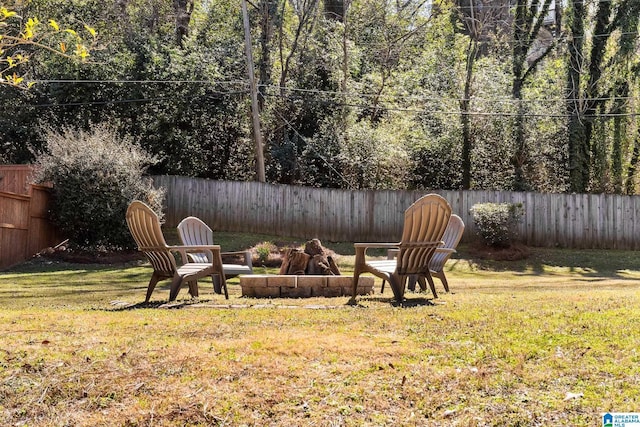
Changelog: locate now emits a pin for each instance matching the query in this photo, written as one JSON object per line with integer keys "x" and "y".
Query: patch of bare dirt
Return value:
{"x": 91, "y": 257}
{"x": 514, "y": 252}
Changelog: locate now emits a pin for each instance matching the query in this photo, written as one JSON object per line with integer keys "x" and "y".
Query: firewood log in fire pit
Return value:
{"x": 313, "y": 260}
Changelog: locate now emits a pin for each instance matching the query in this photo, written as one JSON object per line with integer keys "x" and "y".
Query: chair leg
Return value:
{"x": 220, "y": 284}
{"x": 176, "y": 283}
{"x": 412, "y": 282}
{"x": 354, "y": 285}
{"x": 155, "y": 278}
{"x": 432, "y": 285}
{"x": 217, "y": 285}
{"x": 224, "y": 286}
{"x": 193, "y": 288}
{"x": 397, "y": 283}
{"x": 443, "y": 279}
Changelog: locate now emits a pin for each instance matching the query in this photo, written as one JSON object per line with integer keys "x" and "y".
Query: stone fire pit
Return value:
{"x": 302, "y": 286}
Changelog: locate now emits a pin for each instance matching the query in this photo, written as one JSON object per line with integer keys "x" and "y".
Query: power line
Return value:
{"x": 381, "y": 106}
{"x": 418, "y": 98}
{"x": 210, "y": 82}
{"x": 405, "y": 98}
{"x": 122, "y": 101}
{"x": 415, "y": 98}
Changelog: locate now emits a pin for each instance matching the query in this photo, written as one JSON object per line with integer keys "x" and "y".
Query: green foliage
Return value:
{"x": 21, "y": 37}
{"x": 95, "y": 174}
{"x": 371, "y": 101}
{"x": 319, "y": 165}
{"x": 374, "y": 156}
{"x": 264, "y": 250}
{"x": 436, "y": 167}
{"x": 496, "y": 222}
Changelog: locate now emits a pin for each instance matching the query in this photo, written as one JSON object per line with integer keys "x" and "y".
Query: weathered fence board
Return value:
{"x": 564, "y": 220}
{"x": 15, "y": 178}
{"x": 24, "y": 227}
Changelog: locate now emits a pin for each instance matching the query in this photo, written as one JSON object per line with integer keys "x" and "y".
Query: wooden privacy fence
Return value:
{"x": 24, "y": 227}
{"x": 15, "y": 178}
{"x": 565, "y": 220}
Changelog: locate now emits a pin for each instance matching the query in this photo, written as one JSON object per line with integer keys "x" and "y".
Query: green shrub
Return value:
{"x": 264, "y": 250}
{"x": 95, "y": 175}
{"x": 496, "y": 222}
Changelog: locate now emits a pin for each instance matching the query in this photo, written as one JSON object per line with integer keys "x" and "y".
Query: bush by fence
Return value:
{"x": 564, "y": 220}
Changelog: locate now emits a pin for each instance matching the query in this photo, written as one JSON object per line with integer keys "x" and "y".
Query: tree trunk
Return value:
{"x": 269, "y": 19}
{"x": 526, "y": 29}
{"x": 184, "y": 9}
{"x": 578, "y": 144}
{"x": 467, "y": 143}
{"x": 633, "y": 165}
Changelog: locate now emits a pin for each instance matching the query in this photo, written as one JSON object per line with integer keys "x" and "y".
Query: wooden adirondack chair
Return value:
{"x": 424, "y": 224}
{"x": 194, "y": 232}
{"x": 145, "y": 228}
{"x": 451, "y": 238}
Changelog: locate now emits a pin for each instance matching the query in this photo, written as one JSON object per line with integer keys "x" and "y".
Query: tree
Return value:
{"x": 479, "y": 25}
{"x": 587, "y": 87}
{"x": 184, "y": 9}
{"x": 20, "y": 38}
{"x": 473, "y": 26}
{"x": 527, "y": 29}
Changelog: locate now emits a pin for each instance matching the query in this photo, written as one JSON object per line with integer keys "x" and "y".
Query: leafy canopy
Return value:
{"x": 20, "y": 38}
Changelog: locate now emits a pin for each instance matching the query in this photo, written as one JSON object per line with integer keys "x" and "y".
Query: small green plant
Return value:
{"x": 263, "y": 251}
{"x": 496, "y": 222}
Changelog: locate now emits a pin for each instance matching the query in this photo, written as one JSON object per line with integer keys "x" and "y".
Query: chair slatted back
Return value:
{"x": 451, "y": 238}
{"x": 145, "y": 228}
{"x": 193, "y": 231}
{"x": 424, "y": 221}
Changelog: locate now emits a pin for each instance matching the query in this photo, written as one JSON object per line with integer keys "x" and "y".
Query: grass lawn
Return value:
{"x": 551, "y": 340}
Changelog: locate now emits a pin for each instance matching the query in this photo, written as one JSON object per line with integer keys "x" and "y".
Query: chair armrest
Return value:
{"x": 392, "y": 253}
{"x": 361, "y": 250}
{"x": 247, "y": 257}
{"x": 445, "y": 250}
{"x": 377, "y": 245}
{"x": 183, "y": 250}
{"x": 234, "y": 253}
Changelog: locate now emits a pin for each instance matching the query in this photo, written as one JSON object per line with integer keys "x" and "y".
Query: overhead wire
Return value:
{"x": 440, "y": 99}
{"x": 349, "y": 94}
{"x": 478, "y": 113}
{"x": 119, "y": 101}
{"x": 146, "y": 81}
{"x": 338, "y": 103}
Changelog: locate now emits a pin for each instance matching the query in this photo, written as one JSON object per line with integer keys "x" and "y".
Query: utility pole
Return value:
{"x": 255, "y": 110}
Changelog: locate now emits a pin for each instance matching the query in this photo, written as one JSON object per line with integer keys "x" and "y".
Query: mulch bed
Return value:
{"x": 514, "y": 252}
{"x": 93, "y": 257}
